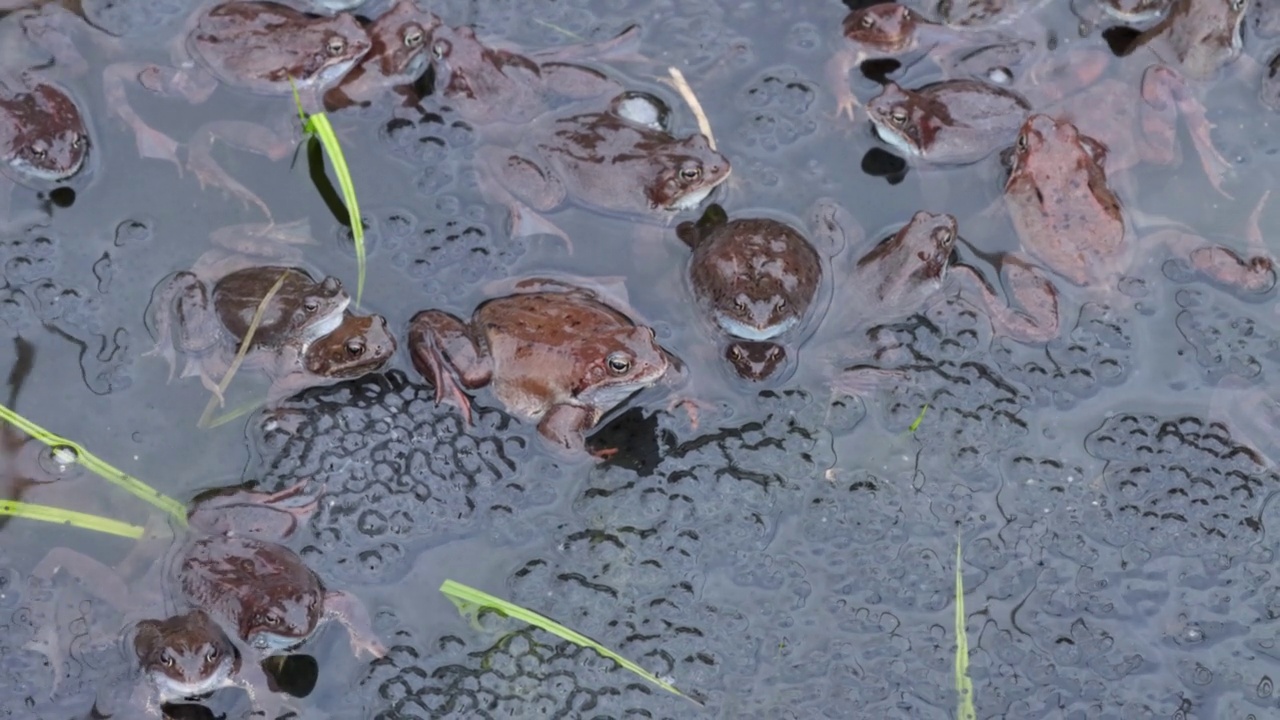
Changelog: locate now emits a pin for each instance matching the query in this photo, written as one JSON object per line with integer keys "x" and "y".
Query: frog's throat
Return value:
{"x": 895, "y": 140}
{"x": 692, "y": 199}
{"x": 742, "y": 330}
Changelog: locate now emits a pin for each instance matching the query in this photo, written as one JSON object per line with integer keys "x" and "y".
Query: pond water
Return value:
{"x": 775, "y": 549}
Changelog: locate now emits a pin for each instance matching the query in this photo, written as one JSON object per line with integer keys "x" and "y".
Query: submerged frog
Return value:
{"x": 755, "y": 279}
{"x": 252, "y": 46}
{"x": 1128, "y": 12}
{"x": 609, "y": 162}
{"x": 952, "y": 122}
{"x": 239, "y": 585}
{"x": 401, "y": 42}
{"x": 552, "y": 352}
{"x": 902, "y": 273}
{"x": 305, "y": 337}
{"x": 42, "y": 132}
{"x": 1067, "y": 216}
{"x": 486, "y": 85}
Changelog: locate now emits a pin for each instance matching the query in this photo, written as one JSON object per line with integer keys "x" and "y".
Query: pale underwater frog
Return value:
{"x": 257, "y": 47}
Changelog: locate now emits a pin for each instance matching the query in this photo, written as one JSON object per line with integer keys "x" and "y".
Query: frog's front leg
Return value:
{"x": 1165, "y": 95}
{"x": 566, "y": 427}
{"x": 838, "y": 69}
{"x": 1038, "y": 296}
{"x": 348, "y": 610}
{"x": 151, "y": 142}
{"x": 448, "y": 358}
{"x": 242, "y": 135}
{"x": 524, "y": 187}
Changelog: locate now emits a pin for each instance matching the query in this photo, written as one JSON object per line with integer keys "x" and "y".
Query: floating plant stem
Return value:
{"x": 216, "y": 399}
{"x": 48, "y": 513}
{"x": 915, "y": 424}
{"x": 317, "y": 125}
{"x": 964, "y": 686}
{"x": 704, "y": 125}
{"x": 127, "y": 482}
{"x": 465, "y": 597}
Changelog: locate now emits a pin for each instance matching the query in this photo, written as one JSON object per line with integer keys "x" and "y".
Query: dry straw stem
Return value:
{"x": 677, "y": 79}
{"x": 215, "y": 400}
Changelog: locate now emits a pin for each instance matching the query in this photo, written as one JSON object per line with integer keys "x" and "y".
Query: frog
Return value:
{"x": 606, "y": 161}
{"x": 236, "y": 583}
{"x": 755, "y": 279}
{"x": 1194, "y": 42}
{"x": 903, "y": 272}
{"x": 252, "y": 46}
{"x": 893, "y": 30}
{"x": 305, "y": 337}
{"x": 486, "y": 85}
{"x": 1126, "y": 12}
{"x": 399, "y": 55}
{"x": 952, "y": 122}
{"x": 1066, "y": 215}
{"x": 1269, "y": 87}
{"x": 43, "y": 135}
{"x": 983, "y": 13}
{"x": 551, "y": 352}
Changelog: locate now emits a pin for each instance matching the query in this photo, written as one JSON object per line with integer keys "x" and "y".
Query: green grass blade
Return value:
{"x": 464, "y": 595}
{"x": 127, "y": 482}
{"x": 915, "y": 424}
{"x": 964, "y": 686}
{"x": 48, "y": 513}
{"x": 319, "y": 126}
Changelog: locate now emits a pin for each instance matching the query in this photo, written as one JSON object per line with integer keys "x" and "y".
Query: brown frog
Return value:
{"x": 902, "y": 273}
{"x": 953, "y": 122}
{"x": 551, "y": 352}
{"x": 305, "y": 337}
{"x": 1127, "y": 12}
{"x": 1067, "y": 216}
{"x": 608, "y": 162}
{"x": 487, "y": 85}
{"x": 241, "y": 586}
{"x": 251, "y": 46}
{"x": 43, "y": 137}
{"x": 755, "y": 279}
{"x": 983, "y": 13}
{"x": 401, "y": 42}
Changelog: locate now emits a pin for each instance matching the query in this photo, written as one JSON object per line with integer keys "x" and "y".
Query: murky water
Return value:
{"x": 791, "y": 555}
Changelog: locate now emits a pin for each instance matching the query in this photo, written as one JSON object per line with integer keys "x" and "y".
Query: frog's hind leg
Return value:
{"x": 439, "y": 343}
{"x": 160, "y": 311}
{"x": 151, "y": 142}
{"x": 539, "y": 189}
{"x": 1165, "y": 96}
{"x": 239, "y": 134}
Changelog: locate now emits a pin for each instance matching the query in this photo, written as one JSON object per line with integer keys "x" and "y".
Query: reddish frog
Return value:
{"x": 755, "y": 279}
{"x": 252, "y": 46}
{"x": 953, "y": 122}
{"x": 903, "y": 272}
{"x": 183, "y": 656}
{"x": 1067, "y": 216}
{"x": 401, "y": 41}
{"x": 608, "y": 162}
{"x": 553, "y": 353}
{"x": 43, "y": 137}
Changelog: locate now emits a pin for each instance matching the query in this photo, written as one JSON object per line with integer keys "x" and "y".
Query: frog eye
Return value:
{"x": 337, "y": 45}
{"x": 690, "y": 173}
{"x": 166, "y": 659}
{"x": 311, "y": 305}
{"x": 898, "y": 116}
{"x": 619, "y": 363}
{"x": 355, "y": 348}
{"x": 38, "y": 151}
{"x": 413, "y": 37}
{"x": 1022, "y": 142}
{"x": 212, "y": 656}
{"x": 79, "y": 141}
{"x": 441, "y": 49}
{"x": 740, "y": 304}
{"x": 945, "y": 237}
{"x": 868, "y": 22}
